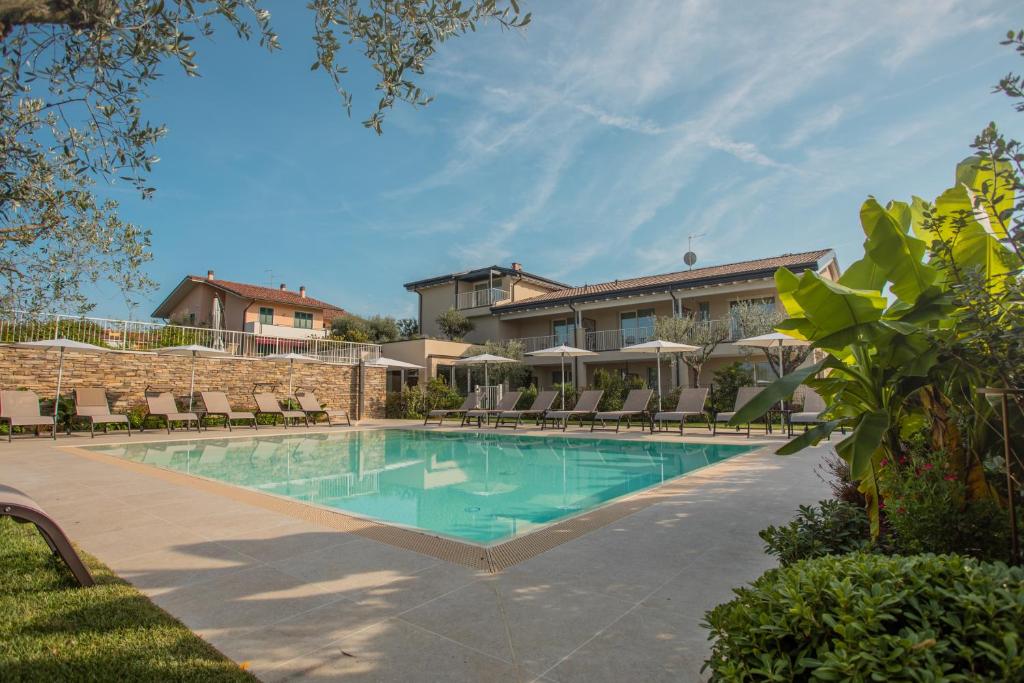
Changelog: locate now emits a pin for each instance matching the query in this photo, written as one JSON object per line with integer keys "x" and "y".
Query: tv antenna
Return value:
{"x": 270, "y": 277}
{"x": 690, "y": 257}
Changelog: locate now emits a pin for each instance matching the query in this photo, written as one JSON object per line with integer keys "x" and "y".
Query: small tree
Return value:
{"x": 350, "y": 328}
{"x": 517, "y": 374}
{"x": 753, "y": 319}
{"x": 408, "y": 328}
{"x": 454, "y": 325}
{"x": 705, "y": 334}
{"x": 383, "y": 329}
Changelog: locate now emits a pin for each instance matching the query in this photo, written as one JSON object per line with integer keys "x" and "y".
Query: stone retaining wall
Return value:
{"x": 126, "y": 374}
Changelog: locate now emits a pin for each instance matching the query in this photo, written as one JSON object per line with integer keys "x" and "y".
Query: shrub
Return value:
{"x": 404, "y": 404}
{"x": 926, "y": 509}
{"x": 831, "y": 528}
{"x": 862, "y": 617}
{"x": 571, "y": 395}
{"x": 527, "y": 398}
{"x": 439, "y": 395}
{"x": 454, "y": 325}
{"x": 835, "y": 472}
{"x": 614, "y": 387}
{"x": 727, "y": 381}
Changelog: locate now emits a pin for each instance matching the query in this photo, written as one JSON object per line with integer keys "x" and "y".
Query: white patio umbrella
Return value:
{"x": 485, "y": 359}
{"x": 292, "y": 359}
{"x": 196, "y": 351}
{"x": 656, "y": 346}
{"x": 63, "y": 345}
{"x": 400, "y": 365}
{"x": 564, "y": 352}
{"x": 770, "y": 341}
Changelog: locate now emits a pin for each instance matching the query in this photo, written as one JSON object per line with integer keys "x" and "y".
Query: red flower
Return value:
{"x": 927, "y": 465}
{"x": 883, "y": 463}
{"x": 950, "y": 477}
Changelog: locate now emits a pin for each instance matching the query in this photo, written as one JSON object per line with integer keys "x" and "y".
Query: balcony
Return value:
{"x": 613, "y": 340}
{"x": 283, "y": 331}
{"x": 481, "y": 297}
{"x": 531, "y": 344}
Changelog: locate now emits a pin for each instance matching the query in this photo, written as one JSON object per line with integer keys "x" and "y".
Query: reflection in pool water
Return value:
{"x": 481, "y": 488}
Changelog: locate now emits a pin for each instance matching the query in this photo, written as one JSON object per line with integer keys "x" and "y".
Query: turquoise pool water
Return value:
{"x": 481, "y": 488}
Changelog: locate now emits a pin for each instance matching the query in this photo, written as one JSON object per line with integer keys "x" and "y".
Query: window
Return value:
{"x": 704, "y": 310}
{"x": 191, "y": 319}
{"x": 266, "y": 315}
{"x": 304, "y": 320}
{"x": 637, "y": 326}
{"x": 564, "y": 332}
{"x": 556, "y": 376}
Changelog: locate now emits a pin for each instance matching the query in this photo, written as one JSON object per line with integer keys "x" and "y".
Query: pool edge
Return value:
{"x": 491, "y": 558}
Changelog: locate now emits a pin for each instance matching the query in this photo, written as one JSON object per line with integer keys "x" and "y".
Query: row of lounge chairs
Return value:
{"x": 691, "y": 403}
{"x": 21, "y": 409}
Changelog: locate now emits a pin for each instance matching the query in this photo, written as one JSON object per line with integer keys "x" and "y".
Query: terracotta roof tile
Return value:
{"x": 737, "y": 270}
{"x": 269, "y": 294}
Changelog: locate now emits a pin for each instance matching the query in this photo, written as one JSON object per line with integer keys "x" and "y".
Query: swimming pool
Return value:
{"x": 481, "y": 488}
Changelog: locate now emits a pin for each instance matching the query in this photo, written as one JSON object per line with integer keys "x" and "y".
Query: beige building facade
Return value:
{"x": 507, "y": 303}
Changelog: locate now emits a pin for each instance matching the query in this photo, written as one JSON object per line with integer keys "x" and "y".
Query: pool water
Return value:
{"x": 480, "y": 488}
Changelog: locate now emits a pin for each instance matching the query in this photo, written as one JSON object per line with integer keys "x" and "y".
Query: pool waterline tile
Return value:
{"x": 633, "y": 457}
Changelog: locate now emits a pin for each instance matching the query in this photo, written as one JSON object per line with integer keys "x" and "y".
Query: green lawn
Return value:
{"x": 52, "y": 630}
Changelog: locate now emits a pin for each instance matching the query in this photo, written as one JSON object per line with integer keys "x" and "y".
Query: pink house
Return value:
{"x": 248, "y": 308}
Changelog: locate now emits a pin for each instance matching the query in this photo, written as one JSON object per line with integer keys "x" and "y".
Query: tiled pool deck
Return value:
{"x": 299, "y": 600}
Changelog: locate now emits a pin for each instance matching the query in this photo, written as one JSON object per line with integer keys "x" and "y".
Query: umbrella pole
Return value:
{"x": 782, "y": 402}
{"x": 659, "y": 378}
{"x": 291, "y": 366}
{"x": 56, "y": 400}
{"x": 563, "y": 380}
{"x": 192, "y": 384}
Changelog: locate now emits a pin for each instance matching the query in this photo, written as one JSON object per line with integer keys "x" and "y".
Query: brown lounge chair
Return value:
{"x": 743, "y": 397}
{"x": 267, "y": 404}
{"x": 19, "y": 507}
{"x": 691, "y": 402}
{"x": 507, "y": 402}
{"x": 91, "y": 404}
{"x": 541, "y": 405}
{"x": 21, "y": 409}
{"x": 161, "y": 404}
{"x": 811, "y": 410}
{"x": 216, "y": 403}
{"x": 310, "y": 405}
{"x": 634, "y": 406}
{"x": 586, "y": 405}
{"x": 471, "y": 402}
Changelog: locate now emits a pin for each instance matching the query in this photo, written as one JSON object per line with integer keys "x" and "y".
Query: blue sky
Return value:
{"x": 588, "y": 147}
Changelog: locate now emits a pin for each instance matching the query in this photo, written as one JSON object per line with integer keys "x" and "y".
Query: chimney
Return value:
{"x": 516, "y": 266}
{"x": 283, "y": 288}
{"x": 302, "y": 291}
{"x": 209, "y": 275}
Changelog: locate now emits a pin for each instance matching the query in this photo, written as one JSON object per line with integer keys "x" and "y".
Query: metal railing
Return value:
{"x": 481, "y": 297}
{"x": 531, "y": 344}
{"x": 612, "y": 340}
{"x": 133, "y": 335}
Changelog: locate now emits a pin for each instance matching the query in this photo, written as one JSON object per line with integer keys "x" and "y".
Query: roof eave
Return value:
{"x": 662, "y": 287}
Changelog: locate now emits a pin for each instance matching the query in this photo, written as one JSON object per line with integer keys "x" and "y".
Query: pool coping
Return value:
{"x": 491, "y": 558}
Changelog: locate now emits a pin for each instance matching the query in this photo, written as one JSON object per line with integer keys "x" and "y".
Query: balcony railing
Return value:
{"x": 132, "y": 335}
{"x": 481, "y": 297}
{"x": 612, "y": 340}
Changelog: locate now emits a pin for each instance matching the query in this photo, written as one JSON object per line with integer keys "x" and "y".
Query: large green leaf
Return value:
{"x": 864, "y": 443}
{"x": 973, "y": 245}
{"x": 811, "y": 437}
{"x": 990, "y": 181}
{"x": 864, "y": 274}
{"x": 898, "y": 255}
{"x": 820, "y": 307}
{"x": 779, "y": 390}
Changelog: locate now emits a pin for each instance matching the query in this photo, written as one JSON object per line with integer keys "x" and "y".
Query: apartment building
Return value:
{"x": 509, "y": 303}
{"x": 280, "y": 312}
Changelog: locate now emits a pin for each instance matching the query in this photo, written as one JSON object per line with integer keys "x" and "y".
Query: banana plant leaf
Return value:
{"x": 778, "y": 390}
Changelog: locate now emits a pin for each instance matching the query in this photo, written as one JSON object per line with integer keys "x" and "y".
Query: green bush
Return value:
{"x": 863, "y": 617}
{"x": 926, "y": 509}
{"x": 831, "y": 528}
{"x": 727, "y": 381}
{"x": 571, "y": 395}
{"x": 614, "y": 387}
{"x": 527, "y": 398}
{"x": 406, "y": 404}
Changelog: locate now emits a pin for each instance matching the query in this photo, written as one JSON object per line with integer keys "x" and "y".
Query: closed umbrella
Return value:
{"x": 292, "y": 359}
{"x": 63, "y": 345}
{"x": 484, "y": 359}
{"x": 400, "y": 365}
{"x": 561, "y": 351}
{"x": 196, "y": 351}
{"x": 770, "y": 341}
{"x": 656, "y": 346}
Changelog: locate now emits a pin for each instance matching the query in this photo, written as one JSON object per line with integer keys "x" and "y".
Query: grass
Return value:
{"x": 50, "y": 629}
